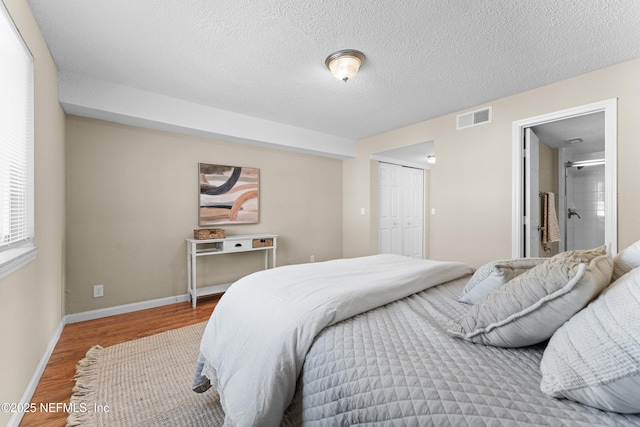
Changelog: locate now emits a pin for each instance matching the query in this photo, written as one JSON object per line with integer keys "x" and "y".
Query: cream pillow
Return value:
{"x": 626, "y": 260}
{"x": 530, "y": 308}
{"x": 594, "y": 358}
{"x": 493, "y": 275}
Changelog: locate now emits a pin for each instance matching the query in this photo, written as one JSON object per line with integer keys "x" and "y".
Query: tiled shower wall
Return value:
{"x": 585, "y": 193}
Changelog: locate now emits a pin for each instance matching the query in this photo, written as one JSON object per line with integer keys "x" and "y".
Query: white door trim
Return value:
{"x": 532, "y": 194}
{"x": 610, "y": 109}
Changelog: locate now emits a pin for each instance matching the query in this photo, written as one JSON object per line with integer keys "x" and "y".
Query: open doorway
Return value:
{"x": 574, "y": 161}
{"x": 570, "y": 184}
{"x": 565, "y": 165}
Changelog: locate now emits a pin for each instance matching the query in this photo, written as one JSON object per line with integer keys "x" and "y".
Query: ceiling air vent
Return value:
{"x": 473, "y": 118}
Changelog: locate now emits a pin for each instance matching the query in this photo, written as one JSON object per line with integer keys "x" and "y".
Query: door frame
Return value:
{"x": 532, "y": 194}
{"x": 610, "y": 109}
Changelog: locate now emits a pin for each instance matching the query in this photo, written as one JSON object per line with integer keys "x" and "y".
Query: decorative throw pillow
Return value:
{"x": 530, "y": 308}
{"x": 626, "y": 260}
{"x": 495, "y": 274}
{"x": 594, "y": 358}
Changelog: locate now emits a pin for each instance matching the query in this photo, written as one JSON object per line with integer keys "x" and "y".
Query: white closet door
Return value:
{"x": 401, "y": 210}
{"x": 412, "y": 211}
{"x": 389, "y": 235}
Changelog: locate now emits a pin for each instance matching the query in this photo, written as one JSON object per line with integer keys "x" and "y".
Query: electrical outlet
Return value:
{"x": 312, "y": 258}
{"x": 98, "y": 291}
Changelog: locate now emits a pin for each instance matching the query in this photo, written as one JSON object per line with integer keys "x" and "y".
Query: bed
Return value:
{"x": 399, "y": 357}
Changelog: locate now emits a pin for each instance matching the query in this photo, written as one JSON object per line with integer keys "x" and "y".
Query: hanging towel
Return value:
{"x": 551, "y": 230}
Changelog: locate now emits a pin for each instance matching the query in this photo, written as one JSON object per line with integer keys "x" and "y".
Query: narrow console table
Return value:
{"x": 231, "y": 244}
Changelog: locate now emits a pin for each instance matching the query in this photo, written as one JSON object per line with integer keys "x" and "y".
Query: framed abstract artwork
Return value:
{"x": 228, "y": 194}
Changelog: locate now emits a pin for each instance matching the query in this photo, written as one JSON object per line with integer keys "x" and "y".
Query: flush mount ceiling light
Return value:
{"x": 345, "y": 63}
{"x": 431, "y": 158}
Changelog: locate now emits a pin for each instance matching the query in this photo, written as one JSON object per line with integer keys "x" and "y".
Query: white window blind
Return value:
{"x": 16, "y": 138}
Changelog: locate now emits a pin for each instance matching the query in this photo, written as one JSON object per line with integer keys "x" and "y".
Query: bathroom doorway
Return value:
{"x": 571, "y": 163}
{"x": 574, "y": 166}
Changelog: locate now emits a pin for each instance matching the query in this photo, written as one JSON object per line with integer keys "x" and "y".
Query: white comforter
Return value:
{"x": 256, "y": 341}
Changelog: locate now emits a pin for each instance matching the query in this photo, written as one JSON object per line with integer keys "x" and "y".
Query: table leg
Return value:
{"x": 192, "y": 278}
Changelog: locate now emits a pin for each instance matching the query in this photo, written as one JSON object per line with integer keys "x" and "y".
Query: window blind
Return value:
{"x": 16, "y": 136}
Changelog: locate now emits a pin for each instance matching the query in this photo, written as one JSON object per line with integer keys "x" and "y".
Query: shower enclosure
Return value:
{"x": 584, "y": 199}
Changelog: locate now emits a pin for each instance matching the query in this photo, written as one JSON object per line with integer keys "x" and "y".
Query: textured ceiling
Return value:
{"x": 265, "y": 59}
{"x": 588, "y": 128}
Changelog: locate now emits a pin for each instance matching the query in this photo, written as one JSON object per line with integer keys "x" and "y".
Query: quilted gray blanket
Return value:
{"x": 280, "y": 311}
{"x": 397, "y": 366}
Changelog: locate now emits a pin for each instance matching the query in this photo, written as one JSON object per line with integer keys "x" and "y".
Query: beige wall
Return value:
{"x": 31, "y": 298}
{"x": 470, "y": 185}
{"x": 132, "y": 198}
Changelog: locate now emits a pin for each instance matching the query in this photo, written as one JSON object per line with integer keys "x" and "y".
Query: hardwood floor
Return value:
{"x": 76, "y": 339}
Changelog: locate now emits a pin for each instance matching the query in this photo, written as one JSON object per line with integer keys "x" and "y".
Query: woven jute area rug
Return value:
{"x": 145, "y": 382}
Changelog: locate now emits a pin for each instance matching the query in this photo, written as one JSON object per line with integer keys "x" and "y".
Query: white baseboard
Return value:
{"x": 15, "y": 419}
{"x": 120, "y": 309}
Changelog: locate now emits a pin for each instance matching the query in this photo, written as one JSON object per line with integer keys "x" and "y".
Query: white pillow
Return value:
{"x": 493, "y": 275}
{"x": 595, "y": 357}
{"x": 626, "y": 260}
{"x": 530, "y": 308}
